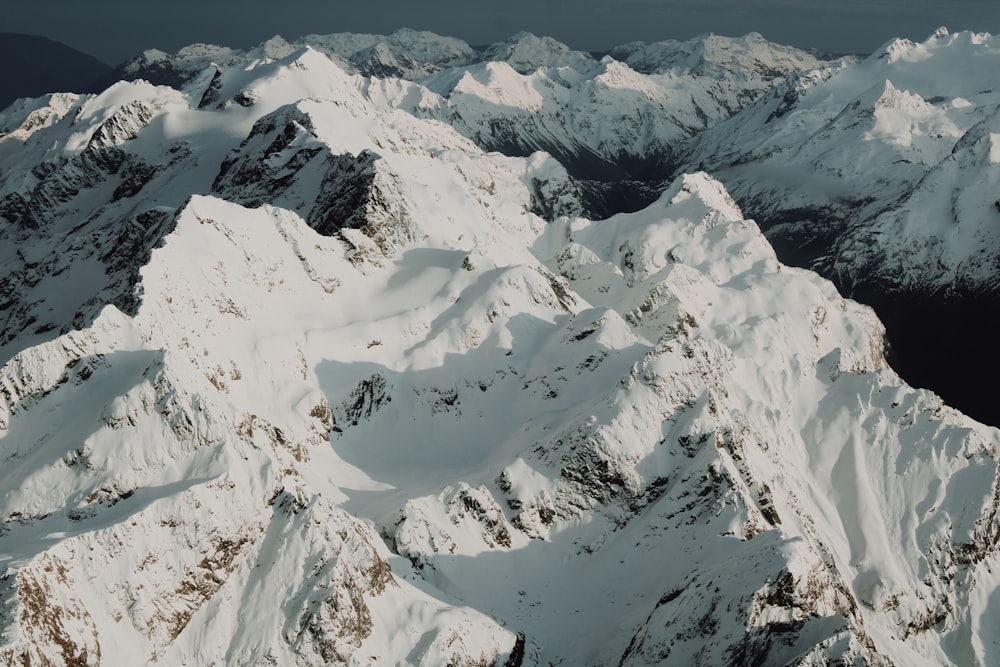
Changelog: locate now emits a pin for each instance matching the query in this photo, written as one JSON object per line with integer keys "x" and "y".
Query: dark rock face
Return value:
{"x": 119, "y": 247}
{"x": 59, "y": 182}
{"x": 367, "y": 398}
{"x": 348, "y": 194}
{"x": 253, "y": 179}
{"x": 281, "y": 162}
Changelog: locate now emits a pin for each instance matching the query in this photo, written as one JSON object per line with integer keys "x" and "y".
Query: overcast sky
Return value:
{"x": 114, "y": 30}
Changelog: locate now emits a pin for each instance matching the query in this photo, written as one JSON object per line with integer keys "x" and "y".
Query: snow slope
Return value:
{"x": 882, "y": 166}
{"x": 603, "y": 119}
{"x": 292, "y": 376}
{"x": 405, "y": 53}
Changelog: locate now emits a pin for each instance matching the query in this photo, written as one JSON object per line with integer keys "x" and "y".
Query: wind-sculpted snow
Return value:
{"x": 325, "y": 387}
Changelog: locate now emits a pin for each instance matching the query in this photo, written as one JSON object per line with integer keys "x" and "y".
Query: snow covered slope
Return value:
{"x": 405, "y": 53}
{"x": 751, "y": 57}
{"x": 881, "y": 175}
{"x": 291, "y": 376}
{"x": 883, "y": 168}
{"x": 603, "y": 119}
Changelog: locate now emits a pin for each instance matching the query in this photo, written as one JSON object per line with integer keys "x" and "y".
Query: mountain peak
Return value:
{"x": 714, "y": 55}
{"x": 526, "y": 53}
{"x": 191, "y": 52}
{"x": 710, "y": 191}
{"x": 273, "y": 48}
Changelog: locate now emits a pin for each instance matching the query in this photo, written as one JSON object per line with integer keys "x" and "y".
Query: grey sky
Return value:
{"x": 114, "y": 30}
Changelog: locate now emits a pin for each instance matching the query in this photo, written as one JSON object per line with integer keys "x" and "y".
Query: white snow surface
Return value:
{"x": 895, "y": 149}
{"x": 298, "y": 378}
{"x": 533, "y": 93}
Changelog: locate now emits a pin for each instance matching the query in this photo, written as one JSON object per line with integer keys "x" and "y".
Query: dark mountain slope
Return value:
{"x": 35, "y": 65}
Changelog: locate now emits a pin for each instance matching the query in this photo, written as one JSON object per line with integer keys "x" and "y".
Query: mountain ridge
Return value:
{"x": 35, "y": 65}
{"x": 878, "y": 175}
{"x": 274, "y": 338}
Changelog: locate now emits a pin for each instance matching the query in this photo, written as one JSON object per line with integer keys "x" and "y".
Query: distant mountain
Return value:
{"x": 35, "y": 65}
{"x": 603, "y": 119}
{"x": 406, "y": 53}
{"x": 606, "y": 119}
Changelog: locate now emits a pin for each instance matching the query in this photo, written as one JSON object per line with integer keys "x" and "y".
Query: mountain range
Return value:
{"x": 388, "y": 350}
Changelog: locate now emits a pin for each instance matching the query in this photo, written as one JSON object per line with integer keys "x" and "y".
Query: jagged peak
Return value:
{"x": 527, "y": 52}
{"x": 942, "y": 34}
{"x": 523, "y": 36}
{"x": 123, "y": 125}
{"x": 710, "y": 191}
{"x": 893, "y": 97}
{"x": 940, "y": 42}
{"x": 274, "y": 48}
{"x": 152, "y": 55}
{"x": 884, "y": 95}
{"x": 617, "y": 74}
{"x": 303, "y": 74}
{"x": 119, "y": 99}
{"x": 308, "y": 56}
{"x": 201, "y": 51}
{"x": 493, "y": 73}
{"x": 26, "y": 116}
{"x": 413, "y": 37}
{"x": 411, "y": 33}
{"x": 894, "y": 50}
{"x": 417, "y": 53}
{"x": 293, "y": 113}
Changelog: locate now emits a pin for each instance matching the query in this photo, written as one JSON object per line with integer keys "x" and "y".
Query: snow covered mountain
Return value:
{"x": 293, "y": 376}
{"x": 601, "y": 118}
{"x": 874, "y": 145}
{"x": 881, "y": 175}
{"x": 405, "y": 53}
